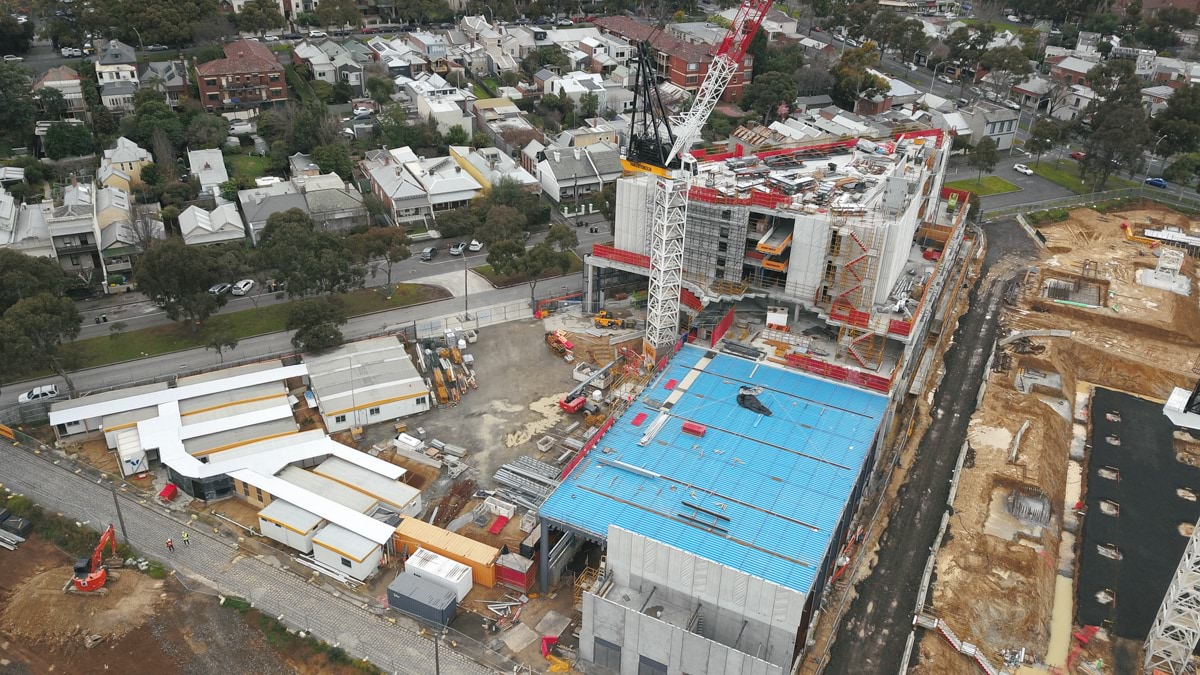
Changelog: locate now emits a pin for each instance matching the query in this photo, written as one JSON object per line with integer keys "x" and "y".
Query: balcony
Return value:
{"x": 74, "y": 249}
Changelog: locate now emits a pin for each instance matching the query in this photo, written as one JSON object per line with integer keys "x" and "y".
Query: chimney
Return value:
{"x": 576, "y": 153}
{"x": 557, "y": 156}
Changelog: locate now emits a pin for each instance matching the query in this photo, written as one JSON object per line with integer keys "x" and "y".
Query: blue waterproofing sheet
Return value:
{"x": 782, "y": 481}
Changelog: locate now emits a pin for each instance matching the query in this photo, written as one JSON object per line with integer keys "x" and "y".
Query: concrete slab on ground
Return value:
{"x": 553, "y": 624}
{"x": 519, "y": 637}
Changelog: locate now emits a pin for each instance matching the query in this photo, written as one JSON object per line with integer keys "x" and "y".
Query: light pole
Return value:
{"x": 933, "y": 79}
{"x": 1151, "y": 161}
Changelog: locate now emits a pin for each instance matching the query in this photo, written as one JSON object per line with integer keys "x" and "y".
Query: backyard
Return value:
{"x": 250, "y": 166}
{"x": 242, "y": 324}
{"x": 988, "y": 185}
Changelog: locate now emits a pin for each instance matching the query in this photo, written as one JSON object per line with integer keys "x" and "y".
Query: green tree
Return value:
{"x": 380, "y": 89}
{"x": 23, "y": 276}
{"x": 309, "y": 260}
{"x": 480, "y": 140}
{"x": 456, "y": 135}
{"x": 853, "y": 79}
{"x": 36, "y": 334}
{"x": 984, "y": 156}
{"x": 206, "y": 131}
{"x": 18, "y": 111}
{"x": 388, "y": 245}
{"x": 461, "y": 222}
{"x": 52, "y": 102}
{"x": 769, "y": 94}
{"x": 1184, "y": 170}
{"x": 150, "y": 117}
{"x": 67, "y": 140}
{"x": 503, "y": 223}
{"x": 15, "y": 37}
{"x": 259, "y": 16}
{"x": 316, "y": 322}
{"x": 323, "y": 90}
{"x": 1007, "y": 67}
{"x": 1179, "y": 122}
{"x": 334, "y": 159}
{"x": 229, "y": 189}
{"x": 177, "y": 278}
{"x": 1120, "y": 131}
{"x": 605, "y": 201}
{"x": 1045, "y": 135}
{"x": 511, "y": 258}
{"x": 589, "y": 105}
{"x": 338, "y": 13}
{"x": 220, "y": 339}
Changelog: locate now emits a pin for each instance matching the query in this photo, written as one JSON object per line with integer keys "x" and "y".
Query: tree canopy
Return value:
{"x": 259, "y": 16}
{"x": 309, "y": 260}
{"x": 18, "y": 110}
{"x": 316, "y": 322}
{"x": 67, "y": 140}
{"x": 177, "y": 278}
{"x": 36, "y": 334}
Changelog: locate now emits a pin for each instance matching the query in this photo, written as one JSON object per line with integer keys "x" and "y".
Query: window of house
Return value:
{"x": 648, "y": 666}
{"x": 213, "y": 97}
{"x": 258, "y": 494}
{"x": 274, "y": 77}
{"x": 373, "y": 411}
{"x": 346, "y": 562}
{"x": 277, "y": 525}
{"x": 210, "y": 83}
{"x": 74, "y": 261}
{"x": 693, "y": 67}
{"x": 691, "y": 79}
{"x": 722, "y": 246}
{"x": 245, "y": 488}
{"x": 421, "y": 400}
{"x": 720, "y": 262}
{"x": 339, "y": 419}
{"x": 724, "y": 232}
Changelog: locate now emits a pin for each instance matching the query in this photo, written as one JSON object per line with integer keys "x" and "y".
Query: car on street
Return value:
{"x": 220, "y": 289}
{"x": 945, "y": 79}
{"x": 317, "y": 34}
{"x": 362, "y": 111}
{"x": 243, "y": 287}
{"x": 458, "y": 248}
{"x": 12, "y": 58}
{"x": 851, "y": 42}
{"x": 69, "y": 52}
{"x": 157, "y": 48}
{"x": 910, "y": 65}
{"x": 1078, "y": 156}
{"x": 46, "y": 392}
{"x": 270, "y": 38}
{"x": 976, "y": 92}
{"x": 476, "y": 246}
{"x": 429, "y": 253}
{"x": 1021, "y": 168}
{"x": 1012, "y": 105}
{"x": 1156, "y": 182}
{"x": 565, "y": 22}
{"x": 291, "y": 36}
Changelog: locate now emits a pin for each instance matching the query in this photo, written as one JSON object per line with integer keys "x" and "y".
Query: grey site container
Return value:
{"x": 411, "y": 594}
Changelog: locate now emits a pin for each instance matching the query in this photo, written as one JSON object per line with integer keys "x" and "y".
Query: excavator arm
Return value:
{"x": 107, "y": 538}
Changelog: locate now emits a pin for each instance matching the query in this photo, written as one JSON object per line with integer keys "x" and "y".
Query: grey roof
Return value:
{"x": 543, "y": 75}
{"x": 257, "y": 211}
{"x": 118, "y": 88}
{"x": 329, "y": 201}
{"x": 565, "y": 165}
{"x": 117, "y": 53}
{"x": 336, "y": 537}
{"x": 291, "y": 515}
{"x": 170, "y": 73}
{"x": 424, "y": 591}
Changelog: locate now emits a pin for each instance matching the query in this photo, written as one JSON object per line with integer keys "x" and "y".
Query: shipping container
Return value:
{"x": 481, "y": 558}
{"x": 422, "y": 598}
{"x": 440, "y": 570}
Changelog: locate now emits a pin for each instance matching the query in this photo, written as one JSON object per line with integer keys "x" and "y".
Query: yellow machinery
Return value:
{"x": 605, "y": 320}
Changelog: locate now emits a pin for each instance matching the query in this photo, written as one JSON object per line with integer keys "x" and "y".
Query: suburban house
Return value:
{"x": 209, "y": 167}
{"x": 399, "y": 57}
{"x": 678, "y": 61}
{"x": 428, "y": 45}
{"x": 117, "y": 63}
{"x": 606, "y": 53}
{"x": 249, "y": 75}
{"x": 418, "y": 189}
{"x": 576, "y": 84}
{"x": 260, "y": 203}
{"x": 447, "y": 112}
{"x": 167, "y": 77}
{"x": 1072, "y": 70}
{"x": 332, "y": 203}
{"x": 775, "y": 24}
{"x": 66, "y": 81}
{"x": 118, "y": 96}
{"x": 127, "y": 159}
{"x": 72, "y": 228}
{"x": 489, "y": 165}
{"x": 23, "y": 227}
{"x": 320, "y": 65}
{"x": 200, "y": 226}
{"x": 988, "y": 120}
{"x": 1155, "y": 98}
{"x": 1077, "y": 101}
{"x": 575, "y": 173}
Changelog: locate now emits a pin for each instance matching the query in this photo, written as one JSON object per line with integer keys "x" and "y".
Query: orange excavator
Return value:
{"x": 91, "y": 574}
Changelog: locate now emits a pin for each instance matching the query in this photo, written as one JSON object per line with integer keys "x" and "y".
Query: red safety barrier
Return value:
{"x": 899, "y": 327}
{"x": 689, "y": 299}
{"x": 670, "y": 384}
{"x": 840, "y": 373}
{"x": 851, "y": 317}
{"x": 614, "y": 253}
{"x": 587, "y": 447}
{"x": 722, "y": 327}
{"x": 963, "y": 195}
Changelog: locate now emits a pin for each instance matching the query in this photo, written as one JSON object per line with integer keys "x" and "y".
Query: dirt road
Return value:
{"x": 873, "y": 632}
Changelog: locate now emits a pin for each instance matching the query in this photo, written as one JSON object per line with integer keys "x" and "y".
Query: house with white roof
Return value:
{"x": 209, "y": 167}
{"x": 1155, "y": 98}
{"x": 200, "y": 226}
{"x": 416, "y": 188}
{"x": 489, "y": 165}
{"x": 446, "y": 111}
{"x": 576, "y": 173}
{"x": 23, "y": 227}
{"x": 575, "y": 84}
{"x": 127, "y": 158}
{"x": 400, "y": 58}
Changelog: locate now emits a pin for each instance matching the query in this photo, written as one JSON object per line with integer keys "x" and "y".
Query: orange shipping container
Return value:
{"x": 477, "y": 555}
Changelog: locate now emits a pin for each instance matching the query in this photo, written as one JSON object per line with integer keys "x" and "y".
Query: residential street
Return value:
{"x": 873, "y": 631}
{"x": 217, "y": 562}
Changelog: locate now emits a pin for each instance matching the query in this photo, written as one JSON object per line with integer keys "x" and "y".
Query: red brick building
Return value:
{"x": 682, "y": 63}
{"x": 249, "y": 75}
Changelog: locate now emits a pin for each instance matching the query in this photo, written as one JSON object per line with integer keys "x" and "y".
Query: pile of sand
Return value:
{"x": 39, "y": 610}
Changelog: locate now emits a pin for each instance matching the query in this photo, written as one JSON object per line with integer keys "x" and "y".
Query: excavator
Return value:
{"x": 91, "y": 574}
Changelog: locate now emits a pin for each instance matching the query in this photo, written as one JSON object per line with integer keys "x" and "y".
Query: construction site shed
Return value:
{"x": 480, "y": 557}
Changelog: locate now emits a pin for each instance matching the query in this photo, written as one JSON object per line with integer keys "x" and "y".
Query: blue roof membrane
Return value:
{"x": 779, "y": 482}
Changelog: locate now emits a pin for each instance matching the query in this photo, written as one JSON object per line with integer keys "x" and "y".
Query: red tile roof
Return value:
{"x": 57, "y": 74}
{"x": 243, "y": 56}
{"x": 636, "y": 31}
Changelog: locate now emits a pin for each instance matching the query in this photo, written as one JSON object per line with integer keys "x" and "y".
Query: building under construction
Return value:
{"x": 724, "y": 496}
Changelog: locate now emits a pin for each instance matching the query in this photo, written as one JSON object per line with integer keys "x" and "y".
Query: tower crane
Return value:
{"x": 672, "y": 167}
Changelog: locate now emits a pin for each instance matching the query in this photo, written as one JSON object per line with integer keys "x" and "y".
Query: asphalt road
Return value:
{"x": 873, "y": 633}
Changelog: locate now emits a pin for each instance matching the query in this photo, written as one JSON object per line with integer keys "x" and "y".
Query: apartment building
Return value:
{"x": 248, "y": 76}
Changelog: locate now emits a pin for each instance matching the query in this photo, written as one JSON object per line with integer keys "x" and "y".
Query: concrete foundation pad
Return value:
{"x": 1175, "y": 283}
{"x": 553, "y": 624}
{"x": 519, "y": 637}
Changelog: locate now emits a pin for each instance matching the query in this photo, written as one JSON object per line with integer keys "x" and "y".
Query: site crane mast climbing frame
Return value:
{"x": 668, "y": 216}
{"x": 1176, "y": 629}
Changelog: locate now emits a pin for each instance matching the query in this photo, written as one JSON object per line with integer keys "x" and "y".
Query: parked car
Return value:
{"x": 1021, "y": 168}
{"x": 476, "y": 246}
{"x": 1012, "y": 105}
{"x": 565, "y": 22}
{"x": 910, "y": 65}
{"x": 962, "y": 103}
{"x": 270, "y": 38}
{"x": 12, "y": 58}
{"x": 458, "y": 248}
{"x": 838, "y": 37}
{"x": 69, "y": 52}
{"x": 46, "y": 392}
{"x": 238, "y": 128}
{"x": 1156, "y": 182}
{"x": 157, "y": 48}
{"x": 360, "y": 110}
{"x": 220, "y": 289}
{"x": 1078, "y": 156}
{"x": 976, "y": 91}
{"x": 945, "y": 79}
{"x": 243, "y": 287}
{"x": 317, "y": 34}
{"x": 292, "y": 36}
{"x": 429, "y": 253}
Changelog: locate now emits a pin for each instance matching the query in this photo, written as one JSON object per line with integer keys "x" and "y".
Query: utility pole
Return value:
{"x": 120, "y": 518}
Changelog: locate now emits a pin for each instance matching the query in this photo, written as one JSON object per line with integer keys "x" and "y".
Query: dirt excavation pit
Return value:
{"x": 1014, "y": 534}
{"x": 38, "y": 610}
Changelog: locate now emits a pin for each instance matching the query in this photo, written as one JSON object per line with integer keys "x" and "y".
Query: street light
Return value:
{"x": 934, "y": 78}
{"x": 1151, "y": 161}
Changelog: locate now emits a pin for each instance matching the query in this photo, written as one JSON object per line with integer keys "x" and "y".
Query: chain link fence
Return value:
{"x": 1155, "y": 195}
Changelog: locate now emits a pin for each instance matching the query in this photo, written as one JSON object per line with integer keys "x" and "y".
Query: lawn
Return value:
{"x": 989, "y": 185}
{"x": 1065, "y": 173}
{"x": 504, "y": 282}
{"x": 246, "y": 323}
{"x": 250, "y": 166}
